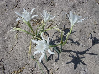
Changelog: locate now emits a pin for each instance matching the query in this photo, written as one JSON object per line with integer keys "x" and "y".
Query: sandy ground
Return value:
{"x": 79, "y": 56}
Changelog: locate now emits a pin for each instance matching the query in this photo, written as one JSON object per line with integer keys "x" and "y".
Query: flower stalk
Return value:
{"x": 29, "y": 25}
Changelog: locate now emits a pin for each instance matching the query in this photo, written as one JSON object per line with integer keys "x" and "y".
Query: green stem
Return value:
{"x": 61, "y": 48}
{"x": 54, "y": 45}
{"x": 43, "y": 26}
{"x": 65, "y": 40}
{"x": 40, "y": 66}
{"x": 61, "y": 41}
{"x": 68, "y": 35}
{"x": 29, "y": 25}
{"x": 38, "y": 63}
{"x": 46, "y": 57}
{"x": 61, "y": 38}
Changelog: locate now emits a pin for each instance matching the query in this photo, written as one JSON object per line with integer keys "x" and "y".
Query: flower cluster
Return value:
{"x": 42, "y": 44}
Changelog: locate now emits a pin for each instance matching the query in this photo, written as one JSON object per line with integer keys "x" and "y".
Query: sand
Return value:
{"x": 79, "y": 56}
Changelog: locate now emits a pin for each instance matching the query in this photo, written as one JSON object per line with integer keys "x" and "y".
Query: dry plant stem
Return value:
{"x": 29, "y": 52}
{"x": 16, "y": 37}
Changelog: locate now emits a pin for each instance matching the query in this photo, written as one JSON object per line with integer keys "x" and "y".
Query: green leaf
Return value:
{"x": 32, "y": 57}
{"x": 46, "y": 57}
{"x": 29, "y": 25}
{"x": 61, "y": 48}
{"x": 56, "y": 50}
{"x": 36, "y": 32}
{"x": 23, "y": 31}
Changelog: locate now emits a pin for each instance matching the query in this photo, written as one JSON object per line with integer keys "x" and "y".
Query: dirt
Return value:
{"x": 79, "y": 56}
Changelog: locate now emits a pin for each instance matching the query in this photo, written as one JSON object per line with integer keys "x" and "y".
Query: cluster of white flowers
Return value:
{"x": 42, "y": 46}
{"x": 27, "y": 16}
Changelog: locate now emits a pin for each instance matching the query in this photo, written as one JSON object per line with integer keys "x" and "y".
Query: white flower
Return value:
{"x": 46, "y": 16}
{"x": 42, "y": 46}
{"x": 27, "y": 16}
{"x": 74, "y": 18}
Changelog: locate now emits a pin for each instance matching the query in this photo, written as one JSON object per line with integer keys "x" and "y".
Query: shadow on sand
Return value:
{"x": 76, "y": 59}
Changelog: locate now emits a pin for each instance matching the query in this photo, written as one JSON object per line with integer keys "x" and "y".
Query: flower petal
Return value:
{"x": 18, "y": 19}
{"x": 34, "y": 16}
{"x": 24, "y": 10}
{"x": 36, "y": 52}
{"x": 34, "y": 41}
{"x": 42, "y": 36}
{"x": 50, "y": 51}
{"x": 80, "y": 20}
{"x": 18, "y": 14}
{"x": 52, "y": 17}
{"x": 71, "y": 15}
{"x": 32, "y": 10}
{"x": 48, "y": 41}
{"x": 41, "y": 57}
{"x": 44, "y": 13}
{"x": 75, "y": 19}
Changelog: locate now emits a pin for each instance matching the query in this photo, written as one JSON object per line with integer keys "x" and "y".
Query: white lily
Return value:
{"x": 27, "y": 16}
{"x": 46, "y": 16}
{"x": 74, "y": 18}
{"x": 42, "y": 46}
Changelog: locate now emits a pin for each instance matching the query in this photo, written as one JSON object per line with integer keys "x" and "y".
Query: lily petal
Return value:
{"x": 52, "y": 17}
{"x": 18, "y": 14}
{"x": 50, "y": 51}
{"x": 75, "y": 19}
{"x": 24, "y": 10}
{"x": 36, "y": 52}
{"x": 32, "y": 10}
{"x": 34, "y": 41}
{"x": 41, "y": 57}
{"x": 48, "y": 41}
{"x": 42, "y": 36}
{"x": 34, "y": 16}
{"x": 18, "y": 19}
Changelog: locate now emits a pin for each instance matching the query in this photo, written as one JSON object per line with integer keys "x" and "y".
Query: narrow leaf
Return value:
{"x": 46, "y": 57}
{"x": 56, "y": 50}
{"x": 23, "y": 31}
